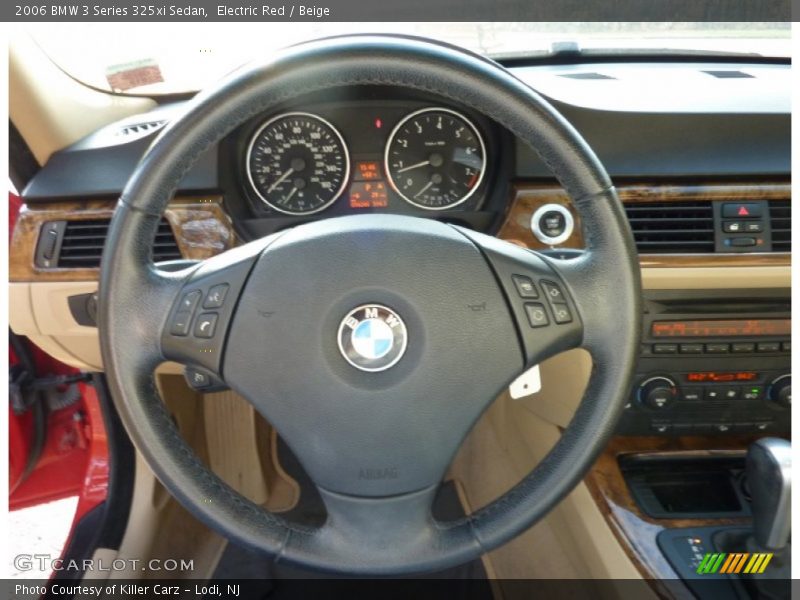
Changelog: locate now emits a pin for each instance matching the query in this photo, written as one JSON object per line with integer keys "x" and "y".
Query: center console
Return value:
{"x": 712, "y": 362}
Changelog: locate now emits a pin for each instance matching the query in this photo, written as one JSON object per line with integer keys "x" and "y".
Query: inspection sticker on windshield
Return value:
{"x": 135, "y": 74}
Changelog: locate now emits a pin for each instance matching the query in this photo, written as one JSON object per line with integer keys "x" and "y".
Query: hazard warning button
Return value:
{"x": 742, "y": 210}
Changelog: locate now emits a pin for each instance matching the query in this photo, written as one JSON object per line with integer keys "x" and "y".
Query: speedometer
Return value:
{"x": 435, "y": 158}
{"x": 297, "y": 163}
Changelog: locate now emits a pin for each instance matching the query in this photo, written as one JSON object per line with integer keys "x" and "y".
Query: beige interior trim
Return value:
{"x": 706, "y": 278}
{"x": 50, "y": 109}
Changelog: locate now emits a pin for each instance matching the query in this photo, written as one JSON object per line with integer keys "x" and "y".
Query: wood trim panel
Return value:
{"x": 527, "y": 197}
{"x": 636, "y": 531}
{"x": 201, "y": 226}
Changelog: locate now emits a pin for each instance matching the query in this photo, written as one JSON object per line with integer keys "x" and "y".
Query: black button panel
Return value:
{"x": 216, "y": 296}
{"x": 545, "y": 314}
{"x": 553, "y": 293}
{"x": 199, "y": 320}
{"x": 742, "y": 227}
{"x": 205, "y": 325}
{"x": 203, "y": 380}
{"x": 733, "y": 347}
{"x": 537, "y": 316}
{"x": 525, "y": 286}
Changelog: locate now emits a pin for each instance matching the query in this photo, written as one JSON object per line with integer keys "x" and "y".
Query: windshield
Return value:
{"x": 162, "y": 58}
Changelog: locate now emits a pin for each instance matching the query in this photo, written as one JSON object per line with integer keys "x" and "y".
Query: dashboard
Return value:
{"x": 689, "y": 146}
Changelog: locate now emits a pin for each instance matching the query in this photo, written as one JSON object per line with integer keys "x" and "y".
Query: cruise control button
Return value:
{"x": 190, "y": 300}
{"x": 553, "y": 292}
{"x": 205, "y": 325}
{"x": 561, "y": 313}
{"x": 215, "y": 296}
{"x": 537, "y": 316}
{"x": 181, "y": 322}
{"x": 525, "y": 286}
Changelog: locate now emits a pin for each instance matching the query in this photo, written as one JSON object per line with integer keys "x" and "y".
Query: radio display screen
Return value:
{"x": 722, "y": 328}
{"x": 713, "y": 377}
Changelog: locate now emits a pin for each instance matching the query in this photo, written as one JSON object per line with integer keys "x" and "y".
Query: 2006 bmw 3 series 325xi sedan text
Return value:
{"x": 489, "y": 303}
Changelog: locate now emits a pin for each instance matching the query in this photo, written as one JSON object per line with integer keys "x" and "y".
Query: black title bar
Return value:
{"x": 404, "y": 10}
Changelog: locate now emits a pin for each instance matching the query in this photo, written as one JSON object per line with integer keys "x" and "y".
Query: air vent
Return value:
{"x": 729, "y": 74}
{"x": 140, "y": 129}
{"x": 82, "y": 244}
{"x": 780, "y": 219}
{"x": 672, "y": 227}
{"x": 589, "y": 75}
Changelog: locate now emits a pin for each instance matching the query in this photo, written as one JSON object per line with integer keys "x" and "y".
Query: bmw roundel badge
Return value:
{"x": 372, "y": 337}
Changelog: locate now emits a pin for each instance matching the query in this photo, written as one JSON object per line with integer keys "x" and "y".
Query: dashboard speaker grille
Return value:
{"x": 82, "y": 243}
{"x": 672, "y": 227}
{"x": 780, "y": 219}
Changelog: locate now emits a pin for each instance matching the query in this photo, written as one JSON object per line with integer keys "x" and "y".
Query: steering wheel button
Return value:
{"x": 553, "y": 293}
{"x": 561, "y": 314}
{"x": 189, "y": 301}
{"x": 181, "y": 322}
{"x": 537, "y": 316}
{"x": 196, "y": 378}
{"x": 205, "y": 325}
{"x": 525, "y": 286}
{"x": 215, "y": 296}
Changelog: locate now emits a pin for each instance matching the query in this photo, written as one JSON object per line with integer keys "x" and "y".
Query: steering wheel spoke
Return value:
{"x": 547, "y": 316}
{"x": 203, "y": 306}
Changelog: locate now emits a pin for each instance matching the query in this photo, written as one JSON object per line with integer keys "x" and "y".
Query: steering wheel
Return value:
{"x": 372, "y": 343}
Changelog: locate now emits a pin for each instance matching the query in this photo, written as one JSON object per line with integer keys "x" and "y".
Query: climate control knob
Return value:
{"x": 657, "y": 392}
{"x": 780, "y": 391}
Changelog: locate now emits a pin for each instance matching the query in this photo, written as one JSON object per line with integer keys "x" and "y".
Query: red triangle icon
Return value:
{"x": 743, "y": 212}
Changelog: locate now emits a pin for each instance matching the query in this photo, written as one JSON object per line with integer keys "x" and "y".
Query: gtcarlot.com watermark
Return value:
{"x": 46, "y": 562}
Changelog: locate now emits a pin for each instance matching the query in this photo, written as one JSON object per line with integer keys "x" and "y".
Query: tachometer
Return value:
{"x": 298, "y": 163}
{"x": 435, "y": 158}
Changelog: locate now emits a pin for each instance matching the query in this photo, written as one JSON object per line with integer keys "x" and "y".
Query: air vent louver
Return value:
{"x": 780, "y": 219}
{"x": 672, "y": 227}
{"x": 82, "y": 244}
{"x": 140, "y": 129}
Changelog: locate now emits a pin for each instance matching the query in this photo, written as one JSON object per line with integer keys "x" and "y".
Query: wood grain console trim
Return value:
{"x": 635, "y": 531}
{"x": 201, "y": 227}
{"x": 527, "y": 197}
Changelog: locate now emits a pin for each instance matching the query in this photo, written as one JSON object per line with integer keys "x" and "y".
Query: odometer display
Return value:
{"x": 435, "y": 158}
{"x": 298, "y": 163}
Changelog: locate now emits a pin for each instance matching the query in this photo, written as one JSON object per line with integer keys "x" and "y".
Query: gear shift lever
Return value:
{"x": 769, "y": 478}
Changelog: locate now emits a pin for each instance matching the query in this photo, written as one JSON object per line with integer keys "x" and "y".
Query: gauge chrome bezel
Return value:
{"x": 475, "y": 131}
{"x": 270, "y": 121}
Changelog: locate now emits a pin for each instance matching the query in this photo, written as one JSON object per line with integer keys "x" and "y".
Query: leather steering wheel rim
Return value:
{"x": 369, "y": 533}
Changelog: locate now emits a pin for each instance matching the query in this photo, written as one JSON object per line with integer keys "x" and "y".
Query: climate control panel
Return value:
{"x": 707, "y": 402}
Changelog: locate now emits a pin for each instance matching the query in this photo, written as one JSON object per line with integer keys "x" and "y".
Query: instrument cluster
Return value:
{"x": 338, "y": 158}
